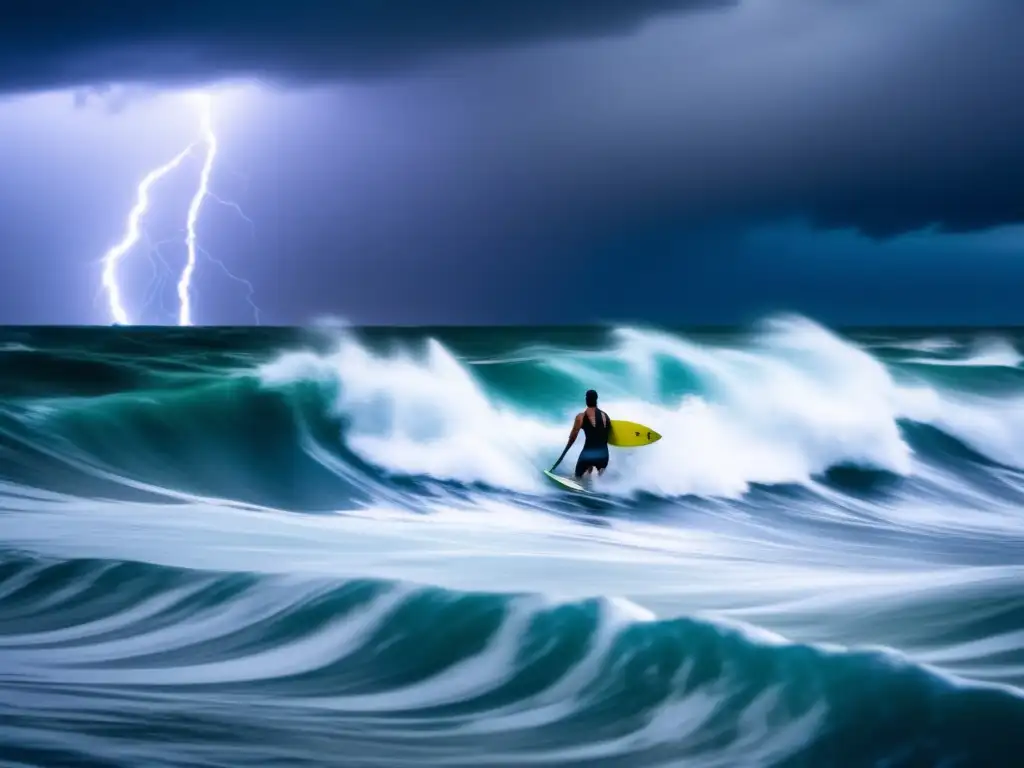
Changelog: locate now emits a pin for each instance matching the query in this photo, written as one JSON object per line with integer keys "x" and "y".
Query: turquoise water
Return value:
{"x": 335, "y": 547}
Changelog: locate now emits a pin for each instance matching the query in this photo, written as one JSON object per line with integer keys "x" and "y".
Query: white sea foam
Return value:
{"x": 790, "y": 403}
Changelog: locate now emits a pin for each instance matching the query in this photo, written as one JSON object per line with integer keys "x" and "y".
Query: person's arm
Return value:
{"x": 577, "y": 425}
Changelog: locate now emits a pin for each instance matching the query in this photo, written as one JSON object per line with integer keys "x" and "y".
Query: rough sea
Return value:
{"x": 335, "y": 547}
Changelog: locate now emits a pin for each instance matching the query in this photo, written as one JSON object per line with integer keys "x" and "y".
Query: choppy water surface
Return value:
{"x": 335, "y": 547}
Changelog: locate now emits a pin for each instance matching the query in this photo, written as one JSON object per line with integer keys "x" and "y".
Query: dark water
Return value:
{"x": 225, "y": 547}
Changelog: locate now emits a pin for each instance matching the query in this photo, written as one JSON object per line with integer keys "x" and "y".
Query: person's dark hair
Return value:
{"x": 591, "y": 398}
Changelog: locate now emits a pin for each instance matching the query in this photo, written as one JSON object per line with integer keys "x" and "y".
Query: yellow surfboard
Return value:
{"x": 629, "y": 434}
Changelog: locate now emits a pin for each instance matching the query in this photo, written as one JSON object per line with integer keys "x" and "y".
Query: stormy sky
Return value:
{"x": 461, "y": 161}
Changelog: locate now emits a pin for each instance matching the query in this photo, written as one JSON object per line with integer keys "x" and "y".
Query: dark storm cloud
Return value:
{"x": 611, "y": 159}
{"x": 883, "y": 115}
{"x": 56, "y": 44}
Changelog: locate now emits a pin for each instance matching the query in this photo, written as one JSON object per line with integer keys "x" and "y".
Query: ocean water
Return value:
{"x": 334, "y": 546}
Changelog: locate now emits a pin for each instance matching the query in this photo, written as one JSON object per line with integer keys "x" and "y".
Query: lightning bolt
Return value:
{"x": 185, "y": 283}
{"x": 132, "y": 235}
{"x": 134, "y": 231}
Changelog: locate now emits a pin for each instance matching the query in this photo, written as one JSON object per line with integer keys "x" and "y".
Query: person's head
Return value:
{"x": 591, "y": 398}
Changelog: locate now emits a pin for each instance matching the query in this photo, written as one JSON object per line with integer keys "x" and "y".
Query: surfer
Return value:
{"x": 595, "y": 425}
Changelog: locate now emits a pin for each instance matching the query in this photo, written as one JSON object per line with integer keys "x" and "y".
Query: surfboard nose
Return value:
{"x": 641, "y": 434}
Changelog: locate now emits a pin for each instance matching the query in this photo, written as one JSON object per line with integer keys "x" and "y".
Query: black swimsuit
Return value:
{"x": 595, "y": 450}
